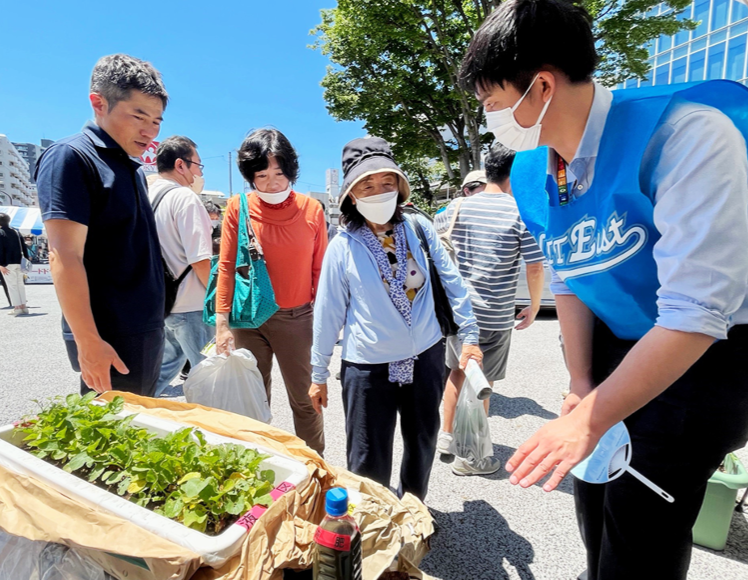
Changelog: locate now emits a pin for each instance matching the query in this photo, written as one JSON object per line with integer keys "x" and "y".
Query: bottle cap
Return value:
{"x": 336, "y": 502}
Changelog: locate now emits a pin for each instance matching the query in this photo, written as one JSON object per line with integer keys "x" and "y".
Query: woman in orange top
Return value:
{"x": 291, "y": 230}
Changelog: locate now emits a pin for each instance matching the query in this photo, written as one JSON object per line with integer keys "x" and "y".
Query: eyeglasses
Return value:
{"x": 473, "y": 185}
{"x": 200, "y": 165}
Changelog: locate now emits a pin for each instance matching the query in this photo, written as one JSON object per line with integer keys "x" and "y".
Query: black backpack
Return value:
{"x": 171, "y": 284}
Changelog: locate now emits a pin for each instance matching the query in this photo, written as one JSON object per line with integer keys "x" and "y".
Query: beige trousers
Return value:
{"x": 14, "y": 280}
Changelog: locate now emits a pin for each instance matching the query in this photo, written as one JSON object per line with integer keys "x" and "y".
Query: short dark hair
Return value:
{"x": 520, "y": 37}
{"x": 211, "y": 207}
{"x": 353, "y": 220}
{"x": 4, "y": 219}
{"x": 114, "y": 76}
{"x": 498, "y": 164}
{"x": 259, "y": 146}
{"x": 171, "y": 149}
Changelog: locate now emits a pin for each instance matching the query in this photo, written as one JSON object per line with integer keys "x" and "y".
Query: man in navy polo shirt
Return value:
{"x": 103, "y": 247}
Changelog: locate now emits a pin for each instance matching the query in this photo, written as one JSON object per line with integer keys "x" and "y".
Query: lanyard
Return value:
{"x": 563, "y": 187}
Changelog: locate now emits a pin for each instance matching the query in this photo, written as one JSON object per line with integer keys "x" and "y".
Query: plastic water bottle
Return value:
{"x": 337, "y": 554}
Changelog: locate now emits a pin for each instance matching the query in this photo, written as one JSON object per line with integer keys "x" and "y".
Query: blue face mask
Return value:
{"x": 610, "y": 460}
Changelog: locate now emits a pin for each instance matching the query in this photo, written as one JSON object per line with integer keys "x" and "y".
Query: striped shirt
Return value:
{"x": 489, "y": 237}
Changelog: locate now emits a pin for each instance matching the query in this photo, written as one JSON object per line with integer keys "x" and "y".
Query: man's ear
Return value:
{"x": 99, "y": 104}
{"x": 548, "y": 82}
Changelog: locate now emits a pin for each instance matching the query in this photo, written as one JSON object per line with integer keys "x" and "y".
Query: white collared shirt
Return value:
{"x": 699, "y": 182}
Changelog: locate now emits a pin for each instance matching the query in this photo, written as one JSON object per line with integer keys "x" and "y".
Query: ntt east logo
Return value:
{"x": 586, "y": 248}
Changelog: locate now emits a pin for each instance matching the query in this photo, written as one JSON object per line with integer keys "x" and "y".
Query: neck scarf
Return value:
{"x": 399, "y": 371}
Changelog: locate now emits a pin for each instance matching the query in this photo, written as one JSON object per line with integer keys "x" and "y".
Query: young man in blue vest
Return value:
{"x": 640, "y": 204}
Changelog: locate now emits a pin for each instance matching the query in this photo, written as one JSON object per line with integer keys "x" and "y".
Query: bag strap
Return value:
{"x": 247, "y": 237}
{"x": 448, "y": 233}
{"x": 420, "y": 233}
{"x": 21, "y": 245}
{"x": 160, "y": 197}
{"x": 154, "y": 204}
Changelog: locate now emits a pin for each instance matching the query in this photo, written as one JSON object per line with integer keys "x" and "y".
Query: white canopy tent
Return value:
{"x": 27, "y": 220}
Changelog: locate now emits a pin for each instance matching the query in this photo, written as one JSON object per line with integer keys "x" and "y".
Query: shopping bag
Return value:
{"x": 472, "y": 438}
{"x": 230, "y": 382}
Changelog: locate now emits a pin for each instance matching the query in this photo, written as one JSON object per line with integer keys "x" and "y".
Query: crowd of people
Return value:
{"x": 639, "y": 202}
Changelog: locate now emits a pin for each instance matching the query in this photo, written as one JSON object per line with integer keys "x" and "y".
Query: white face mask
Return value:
{"x": 198, "y": 184}
{"x": 215, "y": 223}
{"x": 507, "y": 131}
{"x": 275, "y": 198}
{"x": 378, "y": 209}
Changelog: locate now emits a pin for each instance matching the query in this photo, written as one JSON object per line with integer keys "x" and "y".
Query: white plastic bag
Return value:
{"x": 472, "y": 438}
{"x": 22, "y": 559}
{"x": 229, "y": 382}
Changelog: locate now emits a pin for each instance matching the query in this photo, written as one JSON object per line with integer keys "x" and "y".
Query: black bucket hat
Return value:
{"x": 367, "y": 156}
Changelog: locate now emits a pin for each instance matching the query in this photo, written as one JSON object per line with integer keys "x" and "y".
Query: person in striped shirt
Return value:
{"x": 489, "y": 238}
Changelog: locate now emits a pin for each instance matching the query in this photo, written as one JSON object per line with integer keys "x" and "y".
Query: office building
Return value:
{"x": 15, "y": 185}
{"x": 716, "y": 49}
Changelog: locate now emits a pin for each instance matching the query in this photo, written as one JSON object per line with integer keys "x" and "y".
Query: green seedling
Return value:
{"x": 180, "y": 476}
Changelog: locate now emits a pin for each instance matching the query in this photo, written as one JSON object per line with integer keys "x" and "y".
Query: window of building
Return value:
{"x": 715, "y": 61}
{"x": 718, "y": 37}
{"x": 739, "y": 11}
{"x": 650, "y": 46}
{"x": 719, "y": 13}
{"x": 647, "y": 81}
{"x": 701, "y": 15}
{"x": 679, "y": 70}
{"x": 736, "y": 58}
{"x": 664, "y": 43}
{"x": 698, "y": 44}
{"x": 679, "y": 52}
{"x": 631, "y": 84}
{"x": 684, "y": 35}
{"x": 739, "y": 29}
{"x": 696, "y": 68}
{"x": 663, "y": 59}
{"x": 662, "y": 74}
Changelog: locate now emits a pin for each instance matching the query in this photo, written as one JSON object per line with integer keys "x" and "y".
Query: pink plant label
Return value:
{"x": 250, "y": 518}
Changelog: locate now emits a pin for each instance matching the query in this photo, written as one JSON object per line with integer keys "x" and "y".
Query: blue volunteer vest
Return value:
{"x": 601, "y": 243}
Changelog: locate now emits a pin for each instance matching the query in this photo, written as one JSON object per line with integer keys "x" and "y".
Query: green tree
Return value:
{"x": 395, "y": 66}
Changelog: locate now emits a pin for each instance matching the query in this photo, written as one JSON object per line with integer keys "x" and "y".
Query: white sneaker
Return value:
{"x": 15, "y": 312}
{"x": 485, "y": 466}
{"x": 444, "y": 443}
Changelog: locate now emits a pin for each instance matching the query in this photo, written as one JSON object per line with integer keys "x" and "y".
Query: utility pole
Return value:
{"x": 231, "y": 187}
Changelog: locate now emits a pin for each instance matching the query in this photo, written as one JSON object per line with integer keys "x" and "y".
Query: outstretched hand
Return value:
{"x": 556, "y": 447}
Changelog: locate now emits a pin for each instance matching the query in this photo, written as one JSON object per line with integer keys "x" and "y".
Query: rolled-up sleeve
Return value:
{"x": 558, "y": 286}
{"x": 454, "y": 286}
{"x": 700, "y": 188}
{"x": 330, "y": 308}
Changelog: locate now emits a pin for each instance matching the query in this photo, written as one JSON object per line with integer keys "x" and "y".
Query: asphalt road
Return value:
{"x": 488, "y": 529}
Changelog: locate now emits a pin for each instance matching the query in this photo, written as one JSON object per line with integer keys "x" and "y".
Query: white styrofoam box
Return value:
{"x": 215, "y": 550}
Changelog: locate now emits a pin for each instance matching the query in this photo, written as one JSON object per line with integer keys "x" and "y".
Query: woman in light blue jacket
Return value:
{"x": 375, "y": 285}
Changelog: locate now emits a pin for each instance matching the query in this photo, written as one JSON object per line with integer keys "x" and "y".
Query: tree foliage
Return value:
{"x": 395, "y": 65}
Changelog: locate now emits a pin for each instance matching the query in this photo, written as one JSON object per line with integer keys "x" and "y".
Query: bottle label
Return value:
{"x": 332, "y": 540}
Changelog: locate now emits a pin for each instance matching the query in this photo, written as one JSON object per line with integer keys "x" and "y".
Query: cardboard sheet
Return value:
{"x": 282, "y": 538}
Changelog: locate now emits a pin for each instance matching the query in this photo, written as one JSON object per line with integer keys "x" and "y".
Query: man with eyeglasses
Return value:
{"x": 184, "y": 230}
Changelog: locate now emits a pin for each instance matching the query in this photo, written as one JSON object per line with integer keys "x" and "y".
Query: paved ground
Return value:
{"x": 488, "y": 528}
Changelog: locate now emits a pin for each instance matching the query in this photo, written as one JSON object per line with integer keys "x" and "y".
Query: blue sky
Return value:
{"x": 229, "y": 66}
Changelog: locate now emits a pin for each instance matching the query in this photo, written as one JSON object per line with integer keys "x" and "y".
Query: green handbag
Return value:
{"x": 254, "y": 299}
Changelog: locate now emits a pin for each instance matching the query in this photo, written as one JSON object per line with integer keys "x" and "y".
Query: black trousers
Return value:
{"x": 142, "y": 354}
{"x": 678, "y": 441}
{"x": 371, "y": 404}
